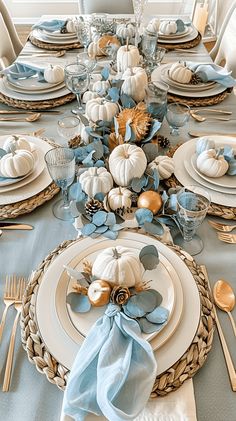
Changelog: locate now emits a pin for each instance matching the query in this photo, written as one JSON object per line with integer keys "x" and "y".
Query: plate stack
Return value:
{"x": 55, "y": 37}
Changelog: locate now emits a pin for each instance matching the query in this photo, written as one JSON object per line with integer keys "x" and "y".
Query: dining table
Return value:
{"x": 32, "y": 397}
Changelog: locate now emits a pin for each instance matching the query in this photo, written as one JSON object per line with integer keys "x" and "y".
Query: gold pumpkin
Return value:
{"x": 150, "y": 200}
{"x": 99, "y": 293}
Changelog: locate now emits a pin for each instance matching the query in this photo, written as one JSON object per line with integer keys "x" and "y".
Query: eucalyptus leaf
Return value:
{"x": 127, "y": 101}
{"x": 228, "y": 153}
{"x": 98, "y": 148}
{"x": 132, "y": 309}
{"x": 116, "y": 227}
{"x": 180, "y": 25}
{"x": 138, "y": 183}
{"x": 232, "y": 167}
{"x": 154, "y": 228}
{"x": 155, "y": 126}
{"x": 143, "y": 215}
{"x": 114, "y": 94}
{"x": 142, "y": 303}
{"x": 2, "y": 152}
{"x": 110, "y": 219}
{"x": 104, "y": 123}
{"x": 128, "y": 132}
{"x": 105, "y": 73}
{"x": 88, "y": 161}
{"x": 99, "y": 196}
{"x": 156, "y": 178}
{"x": 79, "y": 303}
{"x": 158, "y": 315}
{"x": 151, "y": 151}
{"x": 102, "y": 229}
{"x": 148, "y": 327}
{"x": 99, "y": 164}
{"x": 76, "y": 191}
{"x": 112, "y": 235}
{"x": 80, "y": 205}
{"x": 77, "y": 275}
{"x": 149, "y": 257}
{"x": 88, "y": 229}
{"x": 99, "y": 218}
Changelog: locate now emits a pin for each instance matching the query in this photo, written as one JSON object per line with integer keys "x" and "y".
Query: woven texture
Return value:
{"x": 52, "y": 47}
{"x": 182, "y": 45}
{"x": 225, "y": 212}
{"x": 168, "y": 381}
{"x": 199, "y": 102}
{"x": 37, "y": 105}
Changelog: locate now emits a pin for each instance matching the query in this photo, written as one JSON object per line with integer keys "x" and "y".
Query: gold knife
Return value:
{"x": 15, "y": 226}
{"x": 200, "y": 134}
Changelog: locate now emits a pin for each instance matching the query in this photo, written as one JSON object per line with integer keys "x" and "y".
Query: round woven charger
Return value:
{"x": 36, "y": 105}
{"x": 182, "y": 45}
{"x": 214, "y": 209}
{"x": 52, "y": 47}
{"x": 14, "y": 210}
{"x": 171, "y": 379}
{"x": 199, "y": 102}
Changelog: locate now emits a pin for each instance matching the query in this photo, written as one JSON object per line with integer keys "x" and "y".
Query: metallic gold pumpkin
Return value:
{"x": 99, "y": 293}
{"x": 150, "y": 200}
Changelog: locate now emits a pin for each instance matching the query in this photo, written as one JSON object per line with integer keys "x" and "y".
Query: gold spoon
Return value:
{"x": 30, "y": 118}
{"x": 200, "y": 118}
{"x": 225, "y": 299}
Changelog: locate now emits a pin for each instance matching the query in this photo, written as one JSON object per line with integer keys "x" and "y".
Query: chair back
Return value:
{"x": 7, "y": 53}
{"x": 224, "y": 50}
{"x": 17, "y": 45}
{"x": 106, "y": 6}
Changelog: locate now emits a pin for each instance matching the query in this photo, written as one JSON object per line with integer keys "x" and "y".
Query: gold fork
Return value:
{"x": 18, "y": 307}
{"x": 10, "y": 294}
{"x": 227, "y": 238}
{"x": 221, "y": 227}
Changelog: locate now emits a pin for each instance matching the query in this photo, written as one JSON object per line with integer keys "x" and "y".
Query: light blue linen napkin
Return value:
{"x": 22, "y": 70}
{"x": 212, "y": 72}
{"x": 114, "y": 370}
{"x": 51, "y": 25}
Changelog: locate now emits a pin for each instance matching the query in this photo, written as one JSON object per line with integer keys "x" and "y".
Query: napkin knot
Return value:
{"x": 112, "y": 310}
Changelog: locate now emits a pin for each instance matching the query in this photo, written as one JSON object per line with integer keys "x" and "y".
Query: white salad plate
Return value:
{"x": 216, "y": 88}
{"x": 47, "y": 89}
{"x": 29, "y": 96}
{"x": 163, "y": 279}
{"x": 228, "y": 181}
{"x": 31, "y": 83}
{"x": 177, "y": 35}
{"x": 60, "y": 342}
{"x": 57, "y": 34}
{"x": 185, "y": 86}
{"x": 189, "y": 36}
{"x": 184, "y": 153}
{"x": 41, "y": 36}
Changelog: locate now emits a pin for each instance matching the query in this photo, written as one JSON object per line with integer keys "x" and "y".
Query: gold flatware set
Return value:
{"x": 224, "y": 233}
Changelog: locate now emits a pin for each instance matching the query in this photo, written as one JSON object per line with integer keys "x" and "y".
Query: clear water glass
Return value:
{"x": 83, "y": 30}
{"x": 77, "y": 81}
{"x": 158, "y": 57}
{"x": 68, "y": 127}
{"x": 87, "y": 61}
{"x": 61, "y": 166}
{"x": 149, "y": 45}
{"x": 192, "y": 205}
{"x": 177, "y": 116}
{"x": 156, "y": 99}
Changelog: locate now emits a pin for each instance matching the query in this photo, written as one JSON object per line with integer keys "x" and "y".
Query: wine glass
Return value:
{"x": 156, "y": 99}
{"x": 149, "y": 44}
{"x": 83, "y": 30}
{"x": 89, "y": 62}
{"x": 77, "y": 81}
{"x": 61, "y": 166}
{"x": 68, "y": 127}
{"x": 192, "y": 205}
{"x": 138, "y": 6}
{"x": 158, "y": 56}
{"x": 177, "y": 116}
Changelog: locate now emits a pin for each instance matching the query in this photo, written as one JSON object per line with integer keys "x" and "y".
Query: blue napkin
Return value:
{"x": 21, "y": 70}
{"x": 51, "y": 25}
{"x": 114, "y": 370}
{"x": 212, "y": 72}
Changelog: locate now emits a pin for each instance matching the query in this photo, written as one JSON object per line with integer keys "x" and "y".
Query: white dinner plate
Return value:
{"x": 163, "y": 280}
{"x": 51, "y": 88}
{"x": 64, "y": 348}
{"x": 183, "y": 153}
{"x": 186, "y": 38}
{"x": 228, "y": 181}
{"x": 185, "y": 86}
{"x": 187, "y": 30}
{"x": 39, "y": 35}
{"x": 214, "y": 90}
{"x": 28, "y": 96}
{"x": 31, "y": 83}
{"x": 57, "y": 34}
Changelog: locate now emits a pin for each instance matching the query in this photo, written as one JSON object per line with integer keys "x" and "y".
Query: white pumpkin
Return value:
{"x": 203, "y": 144}
{"x": 153, "y": 26}
{"x": 94, "y": 50}
{"x": 101, "y": 86}
{"x": 89, "y": 95}
{"x": 168, "y": 27}
{"x": 126, "y": 162}
{"x": 119, "y": 198}
{"x": 14, "y": 142}
{"x": 164, "y": 165}
{"x": 127, "y": 56}
{"x": 135, "y": 83}
{"x": 100, "y": 109}
{"x": 96, "y": 180}
{"x": 71, "y": 26}
{"x": 125, "y": 30}
{"x": 118, "y": 266}
{"x": 54, "y": 74}
{"x": 84, "y": 135}
{"x": 180, "y": 73}
{"x": 212, "y": 164}
{"x": 16, "y": 164}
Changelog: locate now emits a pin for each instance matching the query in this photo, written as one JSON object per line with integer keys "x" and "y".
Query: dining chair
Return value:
{"x": 7, "y": 52}
{"x": 105, "y": 6}
{"x": 17, "y": 45}
{"x": 223, "y": 53}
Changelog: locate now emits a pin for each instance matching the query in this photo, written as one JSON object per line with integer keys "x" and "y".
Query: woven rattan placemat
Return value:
{"x": 225, "y": 212}
{"x": 36, "y": 105}
{"x": 171, "y": 379}
{"x": 182, "y": 45}
{"x": 199, "y": 102}
{"x": 52, "y": 47}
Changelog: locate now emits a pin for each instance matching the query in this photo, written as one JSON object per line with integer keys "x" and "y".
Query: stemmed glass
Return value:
{"x": 149, "y": 44}
{"x": 89, "y": 62}
{"x": 68, "y": 127}
{"x": 192, "y": 205}
{"x": 83, "y": 30}
{"x": 77, "y": 81}
{"x": 177, "y": 116}
{"x": 156, "y": 99}
{"x": 138, "y": 13}
{"x": 61, "y": 166}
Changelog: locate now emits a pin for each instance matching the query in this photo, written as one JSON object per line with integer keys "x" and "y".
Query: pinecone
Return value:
{"x": 74, "y": 142}
{"x": 92, "y": 206}
{"x": 195, "y": 80}
{"x": 163, "y": 142}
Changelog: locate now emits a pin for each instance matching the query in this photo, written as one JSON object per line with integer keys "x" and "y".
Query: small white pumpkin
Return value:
{"x": 100, "y": 109}
{"x": 118, "y": 266}
{"x": 135, "y": 83}
{"x": 168, "y": 27}
{"x": 16, "y": 164}
{"x": 119, "y": 198}
{"x": 212, "y": 164}
{"x": 14, "y": 142}
{"x": 89, "y": 95}
{"x": 127, "y": 56}
{"x": 203, "y": 144}
{"x": 99, "y": 293}
{"x": 94, "y": 50}
{"x": 153, "y": 26}
{"x": 54, "y": 74}
{"x": 96, "y": 180}
{"x": 164, "y": 165}
{"x": 180, "y": 73}
{"x": 71, "y": 26}
{"x": 125, "y": 30}
{"x": 126, "y": 162}
{"x": 101, "y": 86}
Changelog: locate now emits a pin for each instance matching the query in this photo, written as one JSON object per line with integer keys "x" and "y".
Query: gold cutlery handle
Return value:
{"x": 8, "y": 369}
{"x": 2, "y": 324}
